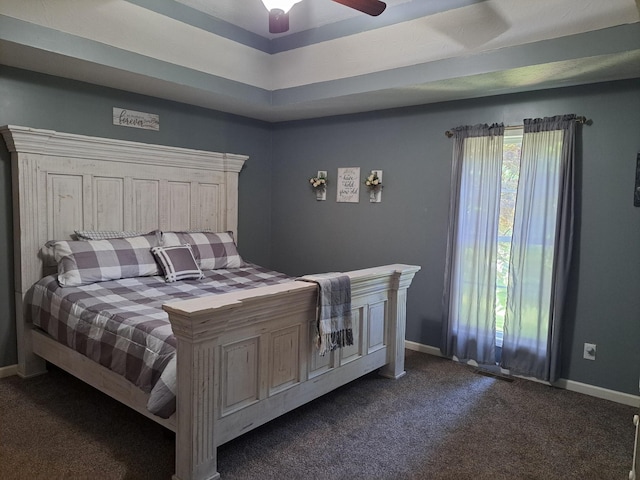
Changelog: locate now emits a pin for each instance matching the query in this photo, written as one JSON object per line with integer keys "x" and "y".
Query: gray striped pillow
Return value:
{"x": 105, "y": 234}
{"x": 82, "y": 262}
{"x": 177, "y": 263}
{"x": 211, "y": 250}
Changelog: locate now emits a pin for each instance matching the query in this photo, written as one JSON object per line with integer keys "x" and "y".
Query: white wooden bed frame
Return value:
{"x": 243, "y": 358}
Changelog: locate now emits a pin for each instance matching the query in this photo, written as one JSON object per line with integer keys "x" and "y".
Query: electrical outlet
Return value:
{"x": 589, "y": 351}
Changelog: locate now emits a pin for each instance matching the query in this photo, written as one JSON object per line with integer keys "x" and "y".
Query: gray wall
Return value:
{"x": 284, "y": 227}
{"x": 410, "y": 224}
{"x": 42, "y": 101}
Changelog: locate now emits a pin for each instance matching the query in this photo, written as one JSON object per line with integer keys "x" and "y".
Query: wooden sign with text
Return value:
{"x": 348, "y": 185}
{"x": 131, "y": 118}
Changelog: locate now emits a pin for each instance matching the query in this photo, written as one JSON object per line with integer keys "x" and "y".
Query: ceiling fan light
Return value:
{"x": 284, "y": 5}
{"x": 278, "y": 21}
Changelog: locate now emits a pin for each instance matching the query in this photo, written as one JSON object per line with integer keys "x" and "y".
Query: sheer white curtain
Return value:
{"x": 541, "y": 248}
{"x": 470, "y": 272}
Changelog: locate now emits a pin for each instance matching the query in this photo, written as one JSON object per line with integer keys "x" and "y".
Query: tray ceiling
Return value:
{"x": 218, "y": 53}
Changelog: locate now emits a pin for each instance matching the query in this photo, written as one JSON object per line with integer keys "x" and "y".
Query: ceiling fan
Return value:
{"x": 279, "y": 11}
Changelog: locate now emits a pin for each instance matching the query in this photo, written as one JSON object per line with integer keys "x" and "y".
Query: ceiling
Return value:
{"x": 251, "y": 15}
{"x": 219, "y": 54}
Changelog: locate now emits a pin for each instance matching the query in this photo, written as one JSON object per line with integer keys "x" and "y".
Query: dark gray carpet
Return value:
{"x": 440, "y": 421}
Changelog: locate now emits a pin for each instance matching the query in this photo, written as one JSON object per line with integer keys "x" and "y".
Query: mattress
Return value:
{"x": 121, "y": 325}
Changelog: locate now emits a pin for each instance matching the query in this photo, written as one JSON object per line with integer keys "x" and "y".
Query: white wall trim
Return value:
{"x": 571, "y": 385}
{"x": 418, "y": 347}
{"x": 599, "y": 392}
{"x": 8, "y": 371}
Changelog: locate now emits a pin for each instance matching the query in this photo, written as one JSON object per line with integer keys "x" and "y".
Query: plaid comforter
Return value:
{"x": 121, "y": 325}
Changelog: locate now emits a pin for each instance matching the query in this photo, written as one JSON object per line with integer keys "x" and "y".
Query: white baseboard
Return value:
{"x": 585, "y": 388}
{"x": 8, "y": 371}
{"x": 418, "y": 347}
{"x": 599, "y": 392}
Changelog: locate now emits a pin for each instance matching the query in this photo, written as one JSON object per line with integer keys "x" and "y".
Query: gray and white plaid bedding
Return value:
{"x": 121, "y": 325}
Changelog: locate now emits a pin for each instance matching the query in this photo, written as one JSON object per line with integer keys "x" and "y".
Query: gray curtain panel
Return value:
{"x": 470, "y": 270}
{"x": 541, "y": 249}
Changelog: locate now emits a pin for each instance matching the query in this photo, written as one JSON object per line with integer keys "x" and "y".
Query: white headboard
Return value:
{"x": 64, "y": 182}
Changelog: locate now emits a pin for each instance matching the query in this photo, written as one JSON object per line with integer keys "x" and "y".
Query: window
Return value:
{"x": 509, "y": 244}
{"x": 511, "y": 148}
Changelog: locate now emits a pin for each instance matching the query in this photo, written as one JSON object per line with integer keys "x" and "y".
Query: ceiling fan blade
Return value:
{"x": 370, "y": 7}
{"x": 278, "y": 21}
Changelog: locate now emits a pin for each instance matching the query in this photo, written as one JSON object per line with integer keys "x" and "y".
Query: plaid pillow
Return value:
{"x": 105, "y": 234}
{"x": 177, "y": 263}
{"x": 211, "y": 250}
{"x": 88, "y": 261}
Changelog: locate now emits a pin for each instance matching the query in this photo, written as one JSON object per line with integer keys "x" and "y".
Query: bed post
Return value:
{"x": 196, "y": 453}
{"x": 26, "y": 243}
{"x": 400, "y": 282}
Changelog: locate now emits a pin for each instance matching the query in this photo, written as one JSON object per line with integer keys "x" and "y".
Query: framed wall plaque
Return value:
{"x": 348, "y": 185}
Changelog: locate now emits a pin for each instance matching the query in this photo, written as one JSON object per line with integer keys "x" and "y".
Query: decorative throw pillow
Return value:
{"x": 88, "y": 261}
{"x": 211, "y": 250}
{"x": 177, "y": 263}
{"x": 106, "y": 234}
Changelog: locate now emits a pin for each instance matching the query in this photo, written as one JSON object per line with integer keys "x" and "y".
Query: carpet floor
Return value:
{"x": 440, "y": 421}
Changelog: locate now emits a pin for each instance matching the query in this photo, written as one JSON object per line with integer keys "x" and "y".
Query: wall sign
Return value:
{"x": 348, "y": 185}
{"x": 131, "y": 118}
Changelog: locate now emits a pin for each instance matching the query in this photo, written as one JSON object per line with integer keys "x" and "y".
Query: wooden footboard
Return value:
{"x": 248, "y": 357}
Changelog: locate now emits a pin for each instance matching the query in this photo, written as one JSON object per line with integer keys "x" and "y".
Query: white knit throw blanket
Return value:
{"x": 334, "y": 310}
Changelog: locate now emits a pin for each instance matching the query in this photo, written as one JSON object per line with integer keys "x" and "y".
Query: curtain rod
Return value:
{"x": 581, "y": 120}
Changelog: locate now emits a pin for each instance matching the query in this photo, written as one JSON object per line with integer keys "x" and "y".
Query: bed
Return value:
{"x": 243, "y": 357}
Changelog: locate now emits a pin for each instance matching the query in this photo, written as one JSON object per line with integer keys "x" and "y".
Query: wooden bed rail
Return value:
{"x": 257, "y": 345}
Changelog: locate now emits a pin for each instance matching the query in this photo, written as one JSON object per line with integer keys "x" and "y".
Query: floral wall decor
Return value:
{"x": 319, "y": 185}
{"x": 374, "y": 183}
